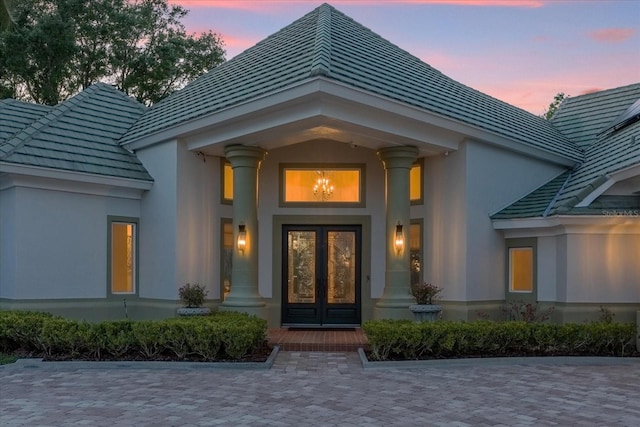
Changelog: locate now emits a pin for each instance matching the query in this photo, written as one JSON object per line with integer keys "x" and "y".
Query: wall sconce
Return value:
{"x": 399, "y": 241}
{"x": 242, "y": 238}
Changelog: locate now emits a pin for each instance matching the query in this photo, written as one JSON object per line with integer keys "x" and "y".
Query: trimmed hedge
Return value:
{"x": 407, "y": 340}
{"x": 219, "y": 336}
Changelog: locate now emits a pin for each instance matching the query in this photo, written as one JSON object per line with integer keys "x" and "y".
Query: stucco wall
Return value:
{"x": 158, "y": 262}
{"x": 603, "y": 268}
{"x": 198, "y": 231}
{"x": 57, "y": 246}
{"x": 495, "y": 178}
{"x": 444, "y": 223}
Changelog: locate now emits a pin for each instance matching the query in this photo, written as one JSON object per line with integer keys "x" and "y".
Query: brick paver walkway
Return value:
{"x": 325, "y": 389}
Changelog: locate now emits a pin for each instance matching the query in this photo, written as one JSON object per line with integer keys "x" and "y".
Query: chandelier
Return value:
{"x": 322, "y": 189}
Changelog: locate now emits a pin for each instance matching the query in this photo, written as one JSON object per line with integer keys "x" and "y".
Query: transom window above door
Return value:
{"x": 322, "y": 185}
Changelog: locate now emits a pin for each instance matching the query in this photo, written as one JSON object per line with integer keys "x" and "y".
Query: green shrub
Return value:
{"x": 221, "y": 336}
{"x": 401, "y": 339}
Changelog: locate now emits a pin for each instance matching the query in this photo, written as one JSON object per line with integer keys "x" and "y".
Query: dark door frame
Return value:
{"x": 321, "y": 313}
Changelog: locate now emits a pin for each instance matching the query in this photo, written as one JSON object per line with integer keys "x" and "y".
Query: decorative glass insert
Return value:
{"x": 341, "y": 268}
{"x": 521, "y": 269}
{"x": 322, "y": 185}
{"x": 302, "y": 267}
{"x": 123, "y": 258}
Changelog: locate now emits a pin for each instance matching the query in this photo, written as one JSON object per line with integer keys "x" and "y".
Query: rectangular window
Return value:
{"x": 521, "y": 269}
{"x": 227, "y": 182}
{"x": 415, "y": 251}
{"x": 322, "y": 185}
{"x": 227, "y": 256}
{"x": 123, "y": 259}
{"x": 415, "y": 184}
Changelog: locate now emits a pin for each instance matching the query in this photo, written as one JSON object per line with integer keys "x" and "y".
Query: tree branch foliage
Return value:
{"x": 63, "y": 46}
{"x": 553, "y": 107}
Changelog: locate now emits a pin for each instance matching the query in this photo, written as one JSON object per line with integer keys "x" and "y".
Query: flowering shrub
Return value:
{"x": 426, "y": 293}
{"x": 192, "y": 295}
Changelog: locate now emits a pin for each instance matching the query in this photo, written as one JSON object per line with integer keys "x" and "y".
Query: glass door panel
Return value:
{"x": 341, "y": 268}
{"x": 301, "y": 264}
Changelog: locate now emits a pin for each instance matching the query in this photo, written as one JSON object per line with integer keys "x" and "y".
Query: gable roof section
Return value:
{"x": 80, "y": 135}
{"x": 538, "y": 202}
{"x": 611, "y": 152}
{"x": 16, "y": 115}
{"x": 326, "y": 43}
{"x": 582, "y": 118}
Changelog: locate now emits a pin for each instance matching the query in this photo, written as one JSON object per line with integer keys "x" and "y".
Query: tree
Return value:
{"x": 553, "y": 107}
{"x": 63, "y": 46}
{"x": 7, "y": 21}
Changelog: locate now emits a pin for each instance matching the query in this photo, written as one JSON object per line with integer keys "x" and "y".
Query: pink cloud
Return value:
{"x": 612, "y": 35}
{"x": 270, "y": 4}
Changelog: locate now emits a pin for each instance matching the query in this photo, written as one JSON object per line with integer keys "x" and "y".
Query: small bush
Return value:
{"x": 192, "y": 295}
{"x": 406, "y": 340}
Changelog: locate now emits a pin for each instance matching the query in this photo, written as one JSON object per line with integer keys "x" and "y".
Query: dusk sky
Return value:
{"x": 520, "y": 51}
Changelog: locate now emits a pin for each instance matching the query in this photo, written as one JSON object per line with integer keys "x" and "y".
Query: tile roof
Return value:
{"x": 326, "y": 43}
{"x": 583, "y": 117}
{"x": 16, "y": 115}
{"x": 80, "y": 134}
{"x": 537, "y": 203}
{"x": 609, "y": 151}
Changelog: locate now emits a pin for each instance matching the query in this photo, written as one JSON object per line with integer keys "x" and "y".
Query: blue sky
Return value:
{"x": 520, "y": 51}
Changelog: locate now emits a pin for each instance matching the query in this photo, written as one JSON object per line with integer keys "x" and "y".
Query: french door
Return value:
{"x": 321, "y": 275}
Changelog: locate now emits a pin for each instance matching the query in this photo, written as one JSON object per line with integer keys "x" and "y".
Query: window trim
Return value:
{"x": 136, "y": 253}
{"x": 519, "y": 244}
{"x": 322, "y": 166}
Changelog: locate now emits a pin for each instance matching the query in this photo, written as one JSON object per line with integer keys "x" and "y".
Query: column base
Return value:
{"x": 393, "y": 310}
{"x": 255, "y": 309}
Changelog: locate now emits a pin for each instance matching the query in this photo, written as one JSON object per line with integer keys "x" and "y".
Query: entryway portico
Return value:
{"x": 317, "y": 113}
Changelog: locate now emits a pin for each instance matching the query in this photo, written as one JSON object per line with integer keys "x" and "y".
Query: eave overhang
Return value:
{"x": 16, "y": 175}
{"x": 320, "y": 108}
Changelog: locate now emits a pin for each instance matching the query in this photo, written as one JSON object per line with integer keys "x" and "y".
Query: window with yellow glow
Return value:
{"x": 415, "y": 252}
{"x": 123, "y": 257}
{"x": 227, "y": 181}
{"x": 322, "y": 185}
{"x": 227, "y": 256}
{"x": 415, "y": 183}
{"x": 521, "y": 269}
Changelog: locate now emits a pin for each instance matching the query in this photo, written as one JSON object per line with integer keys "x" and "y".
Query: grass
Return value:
{"x": 5, "y": 359}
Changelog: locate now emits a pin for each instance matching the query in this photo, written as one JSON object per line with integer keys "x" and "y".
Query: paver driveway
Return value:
{"x": 325, "y": 389}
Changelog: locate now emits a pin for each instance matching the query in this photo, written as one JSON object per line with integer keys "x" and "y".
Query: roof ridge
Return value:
{"x": 321, "y": 63}
{"x": 557, "y": 195}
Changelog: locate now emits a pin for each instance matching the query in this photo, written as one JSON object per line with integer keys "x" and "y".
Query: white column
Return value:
{"x": 244, "y": 295}
{"x": 397, "y": 297}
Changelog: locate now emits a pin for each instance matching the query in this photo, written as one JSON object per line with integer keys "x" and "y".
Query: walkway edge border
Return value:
{"x": 125, "y": 364}
{"x": 496, "y": 361}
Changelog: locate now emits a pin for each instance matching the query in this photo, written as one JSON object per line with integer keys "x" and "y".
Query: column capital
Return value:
{"x": 398, "y": 157}
{"x": 244, "y": 155}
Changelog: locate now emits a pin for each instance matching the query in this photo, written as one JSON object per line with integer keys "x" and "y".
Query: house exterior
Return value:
{"x": 311, "y": 180}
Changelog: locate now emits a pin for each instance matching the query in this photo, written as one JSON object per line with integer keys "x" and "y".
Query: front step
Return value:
{"x": 323, "y": 340}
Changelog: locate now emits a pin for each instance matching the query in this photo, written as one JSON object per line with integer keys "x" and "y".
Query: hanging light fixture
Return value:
{"x": 399, "y": 238}
{"x": 242, "y": 238}
{"x": 323, "y": 189}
